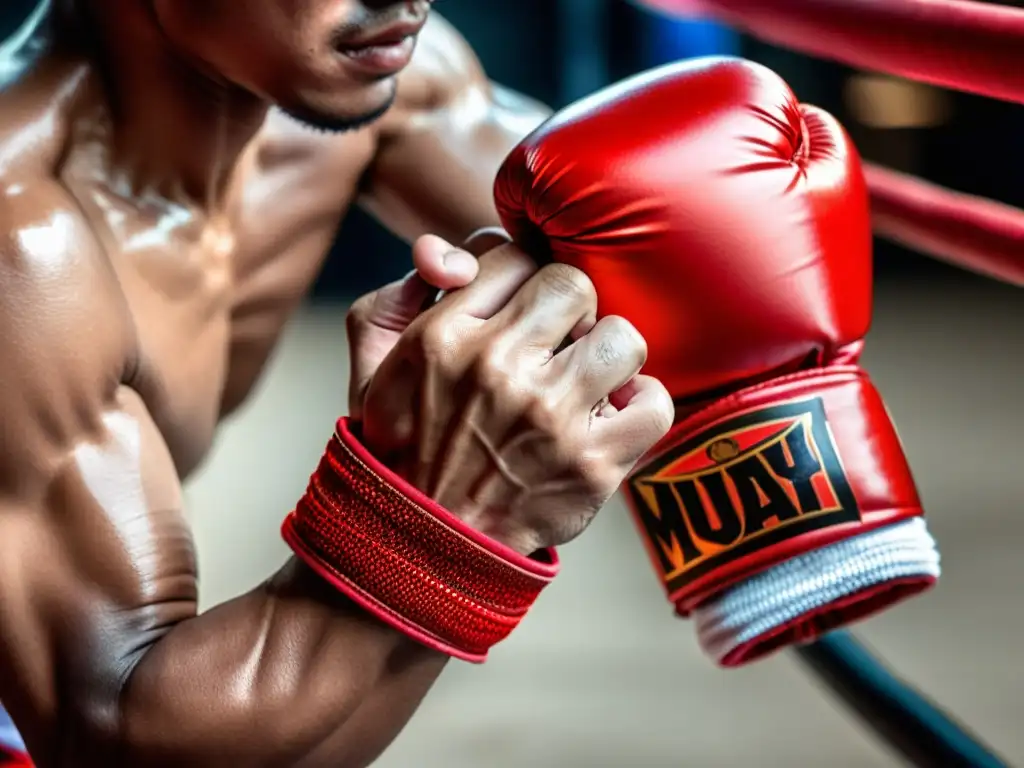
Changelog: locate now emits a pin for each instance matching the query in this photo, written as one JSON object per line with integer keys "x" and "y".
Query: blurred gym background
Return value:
{"x": 601, "y": 674}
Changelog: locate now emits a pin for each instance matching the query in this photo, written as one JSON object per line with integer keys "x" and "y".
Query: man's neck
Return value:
{"x": 176, "y": 130}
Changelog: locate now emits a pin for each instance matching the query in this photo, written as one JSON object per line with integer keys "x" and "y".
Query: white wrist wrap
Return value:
{"x": 805, "y": 584}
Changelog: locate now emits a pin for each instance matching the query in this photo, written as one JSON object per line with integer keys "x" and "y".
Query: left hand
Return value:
{"x": 481, "y": 409}
{"x": 377, "y": 319}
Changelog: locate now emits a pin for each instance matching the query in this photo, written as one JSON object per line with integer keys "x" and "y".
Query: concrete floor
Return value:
{"x": 600, "y": 674}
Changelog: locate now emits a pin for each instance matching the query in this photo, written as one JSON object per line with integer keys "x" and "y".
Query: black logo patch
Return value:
{"x": 742, "y": 485}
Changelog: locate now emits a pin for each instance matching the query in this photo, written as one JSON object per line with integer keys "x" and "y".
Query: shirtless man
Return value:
{"x": 159, "y": 221}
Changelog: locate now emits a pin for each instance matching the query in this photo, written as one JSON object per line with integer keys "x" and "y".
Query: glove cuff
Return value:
{"x": 407, "y": 560}
{"x": 805, "y": 597}
{"x": 779, "y": 472}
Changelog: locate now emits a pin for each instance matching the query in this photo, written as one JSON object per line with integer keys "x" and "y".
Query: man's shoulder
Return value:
{"x": 67, "y": 341}
{"x": 38, "y": 105}
{"x": 39, "y": 218}
{"x": 49, "y": 254}
{"x": 42, "y": 227}
{"x": 59, "y": 295}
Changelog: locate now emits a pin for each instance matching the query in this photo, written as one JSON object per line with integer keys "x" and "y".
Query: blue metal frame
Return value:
{"x": 897, "y": 712}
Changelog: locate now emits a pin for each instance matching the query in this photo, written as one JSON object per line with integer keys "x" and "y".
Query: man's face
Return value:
{"x": 330, "y": 63}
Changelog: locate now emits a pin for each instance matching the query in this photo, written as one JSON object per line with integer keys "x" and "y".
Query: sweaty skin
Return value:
{"x": 158, "y": 226}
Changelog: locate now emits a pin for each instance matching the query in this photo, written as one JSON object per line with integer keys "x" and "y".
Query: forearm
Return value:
{"x": 274, "y": 677}
{"x": 436, "y": 176}
{"x": 447, "y": 198}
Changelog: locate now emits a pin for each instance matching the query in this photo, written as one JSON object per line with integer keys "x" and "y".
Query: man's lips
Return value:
{"x": 390, "y": 35}
{"x": 385, "y": 59}
{"x": 384, "y": 52}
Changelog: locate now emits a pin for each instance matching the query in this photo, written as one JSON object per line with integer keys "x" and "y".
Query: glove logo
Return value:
{"x": 741, "y": 485}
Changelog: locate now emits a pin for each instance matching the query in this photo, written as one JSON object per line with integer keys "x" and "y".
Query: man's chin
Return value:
{"x": 334, "y": 123}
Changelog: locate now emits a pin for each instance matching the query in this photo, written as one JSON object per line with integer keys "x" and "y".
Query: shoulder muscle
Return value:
{"x": 94, "y": 553}
{"x": 64, "y": 335}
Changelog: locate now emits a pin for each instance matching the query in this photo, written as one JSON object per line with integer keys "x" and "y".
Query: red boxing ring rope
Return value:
{"x": 959, "y": 44}
{"x": 970, "y": 232}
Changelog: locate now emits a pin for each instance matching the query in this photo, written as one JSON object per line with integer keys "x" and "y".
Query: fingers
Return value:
{"x": 603, "y": 361}
{"x": 642, "y": 414}
{"x": 442, "y": 265}
{"x": 502, "y": 272}
{"x": 541, "y": 308}
{"x": 394, "y": 306}
{"x": 376, "y": 320}
{"x": 446, "y": 267}
{"x": 557, "y": 302}
{"x": 374, "y": 324}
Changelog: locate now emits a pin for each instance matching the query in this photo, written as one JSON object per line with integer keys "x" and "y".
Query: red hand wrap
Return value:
{"x": 407, "y": 560}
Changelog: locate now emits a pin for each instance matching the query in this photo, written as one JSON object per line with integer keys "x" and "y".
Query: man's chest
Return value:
{"x": 209, "y": 297}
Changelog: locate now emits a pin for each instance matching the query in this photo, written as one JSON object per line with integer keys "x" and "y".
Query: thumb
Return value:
{"x": 377, "y": 320}
{"x": 374, "y": 324}
{"x": 442, "y": 265}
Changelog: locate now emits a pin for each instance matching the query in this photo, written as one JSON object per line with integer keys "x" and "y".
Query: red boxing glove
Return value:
{"x": 402, "y": 557}
{"x": 730, "y": 225}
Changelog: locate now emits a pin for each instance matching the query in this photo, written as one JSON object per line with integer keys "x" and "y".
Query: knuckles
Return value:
{"x": 662, "y": 411}
{"x": 493, "y": 372}
{"x": 566, "y": 281}
{"x": 545, "y": 412}
{"x": 617, "y": 341}
{"x": 596, "y": 470}
{"x": 437, "y": 341}
{"x": 355, "y": 317}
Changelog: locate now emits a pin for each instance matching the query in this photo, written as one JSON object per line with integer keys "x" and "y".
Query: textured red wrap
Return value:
{"x": 407, "y": 560}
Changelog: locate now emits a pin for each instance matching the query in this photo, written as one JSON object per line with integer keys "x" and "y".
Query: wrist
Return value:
{"x": 405, "y": 559}
{"x": 495, "y": 525}
{"x": 490, "y": 520}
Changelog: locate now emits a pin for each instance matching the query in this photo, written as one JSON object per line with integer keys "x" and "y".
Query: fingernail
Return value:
{"x": 438, "y": 243}
{"x": 452, "y": 255}
{"x": 458, "y": 261}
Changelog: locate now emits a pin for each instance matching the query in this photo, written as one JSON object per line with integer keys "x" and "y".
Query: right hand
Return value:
{"x": 482, "y": 407}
